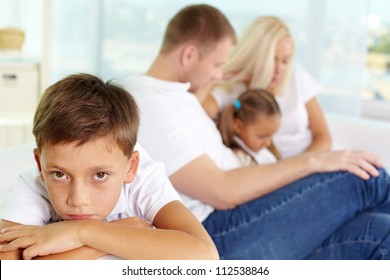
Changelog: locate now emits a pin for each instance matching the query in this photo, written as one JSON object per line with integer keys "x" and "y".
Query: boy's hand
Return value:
{"x": 41, "y": 240}
{"x": 53, "y": 238}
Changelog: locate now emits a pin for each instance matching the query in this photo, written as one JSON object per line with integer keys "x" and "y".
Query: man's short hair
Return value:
{"x": 203, "y": 25}
{"x": 81, "y": 108}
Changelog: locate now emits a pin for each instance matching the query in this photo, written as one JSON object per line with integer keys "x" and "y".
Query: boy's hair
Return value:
{"x": 248, "y": 106}
{"x": 81, "y": 108}
{"x": 254, "y": 54}
{"x": 202, "y": 24}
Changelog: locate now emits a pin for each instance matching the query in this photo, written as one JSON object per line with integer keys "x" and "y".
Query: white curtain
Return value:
{"x": 113, "y": 38}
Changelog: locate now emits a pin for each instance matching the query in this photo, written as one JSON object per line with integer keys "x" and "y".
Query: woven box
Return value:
{"x": 11, "y": 38}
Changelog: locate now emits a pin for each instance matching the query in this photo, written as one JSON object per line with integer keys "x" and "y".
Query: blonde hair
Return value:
{"x": 247, "y": 107}
{"x": 254, "y": 55}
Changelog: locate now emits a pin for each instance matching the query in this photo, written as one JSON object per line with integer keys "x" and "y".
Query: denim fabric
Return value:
{"x": 323, "y": 216}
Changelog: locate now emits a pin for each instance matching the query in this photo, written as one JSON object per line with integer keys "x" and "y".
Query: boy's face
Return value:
{"x": 207, "y": 68}
{"x": 84, "y": 182}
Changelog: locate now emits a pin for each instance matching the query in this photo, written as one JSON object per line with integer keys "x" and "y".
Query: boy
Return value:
{"x": 95, "y": 192}
{"x": 271, "y": 211}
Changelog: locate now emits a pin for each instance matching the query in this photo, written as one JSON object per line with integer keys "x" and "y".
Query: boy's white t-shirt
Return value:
{"x": 150, "y": 190}
{"x": 294, "y": 134}
{"x": 175, "y": 129}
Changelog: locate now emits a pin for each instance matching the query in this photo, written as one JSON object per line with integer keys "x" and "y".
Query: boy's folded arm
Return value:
{"x": 186, "y": 238}
{"x": 10, "y": 255}
{"x": 82, "y": 253}
{"x": 178, "y": 235}
{"x": 89, "y": 253}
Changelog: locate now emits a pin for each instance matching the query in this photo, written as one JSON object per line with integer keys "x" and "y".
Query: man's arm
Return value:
{"x": 203, "y": 180}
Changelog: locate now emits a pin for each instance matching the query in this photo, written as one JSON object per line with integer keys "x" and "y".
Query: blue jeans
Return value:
{"x": 323, "y": 216}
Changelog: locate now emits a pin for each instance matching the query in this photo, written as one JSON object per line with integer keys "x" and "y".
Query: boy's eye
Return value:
{"x": 58, "y": 175}
{"x": 100, "y": 176}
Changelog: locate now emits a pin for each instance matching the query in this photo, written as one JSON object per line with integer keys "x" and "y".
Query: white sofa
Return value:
{"x": 361, "y": 134}
{"x": 13, "y": 160}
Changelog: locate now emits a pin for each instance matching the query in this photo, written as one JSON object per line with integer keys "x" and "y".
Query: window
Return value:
{"x": 26, "y": 15}
{"x": 346, "y": 52}
{"x": 376, "y": 94}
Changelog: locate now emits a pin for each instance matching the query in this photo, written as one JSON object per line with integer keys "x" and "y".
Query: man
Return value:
{"x": 257, "y": 212}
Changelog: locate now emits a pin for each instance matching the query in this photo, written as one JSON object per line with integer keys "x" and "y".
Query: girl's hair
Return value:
{"x": 246, "y": 108}
{"x": 201, "y": 24}
{"x": 254, "y": 55}
{"x": 81, "y": 108}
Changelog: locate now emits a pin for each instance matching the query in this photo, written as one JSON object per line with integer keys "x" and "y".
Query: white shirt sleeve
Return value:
{"x": 151, "y": 189}
{"x": 163, "y": 123}
{"x": 306, "y": 85}
{"x": 28, "y": 203}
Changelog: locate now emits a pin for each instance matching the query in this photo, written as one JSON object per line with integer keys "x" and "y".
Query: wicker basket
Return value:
{"x": 11, "y": 38}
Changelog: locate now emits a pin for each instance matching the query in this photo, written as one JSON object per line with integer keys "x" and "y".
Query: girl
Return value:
{"x": 248, "y": 124}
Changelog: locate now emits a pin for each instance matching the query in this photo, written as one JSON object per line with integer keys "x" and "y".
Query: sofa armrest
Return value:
{"x": 361, "y": 134}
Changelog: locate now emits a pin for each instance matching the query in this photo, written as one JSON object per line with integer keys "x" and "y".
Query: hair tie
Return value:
{"x": 237, "y": 104}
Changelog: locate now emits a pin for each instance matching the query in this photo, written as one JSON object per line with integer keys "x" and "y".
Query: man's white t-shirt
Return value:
{"x": 175, "y": 130}
{"x": 150, "y": 190}
{"x": 294, "y": 134}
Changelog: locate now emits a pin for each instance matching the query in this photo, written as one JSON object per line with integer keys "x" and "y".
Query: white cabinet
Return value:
{"x": 19, "y": 95}
{"x": 19, "y": 88}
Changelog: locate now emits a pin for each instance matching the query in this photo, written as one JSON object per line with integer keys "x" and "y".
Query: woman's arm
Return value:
{"x": 322, "y": 140}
